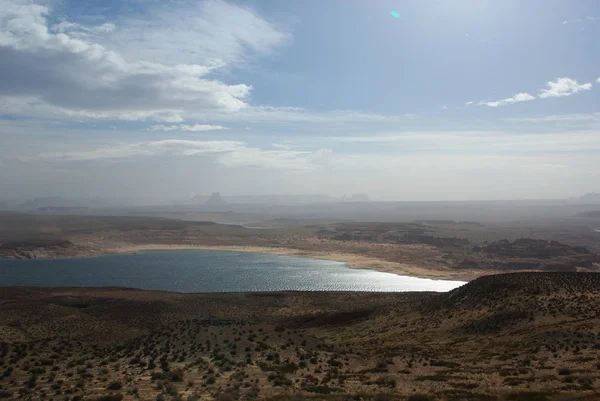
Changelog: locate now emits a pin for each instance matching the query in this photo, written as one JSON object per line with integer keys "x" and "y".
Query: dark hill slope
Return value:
{"x": 522, "y": 336}
{"x": 493, "y": 290}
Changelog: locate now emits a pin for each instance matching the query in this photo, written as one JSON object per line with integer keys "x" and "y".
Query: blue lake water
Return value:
{"x": 208, "y": 271}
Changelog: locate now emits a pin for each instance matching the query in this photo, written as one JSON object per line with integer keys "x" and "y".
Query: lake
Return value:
{"x": 208, "y": 271}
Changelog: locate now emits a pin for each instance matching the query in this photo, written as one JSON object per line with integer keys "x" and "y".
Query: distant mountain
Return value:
{"x": 61, "y": 208}
{"x": 279, "y": 199}
{"x": 51, "y": 201}
{"x": 197, "y": 200}
{"x": 215, "y": 200}
{"x": 590, "y": 198}
{"x": 264, "y": 199}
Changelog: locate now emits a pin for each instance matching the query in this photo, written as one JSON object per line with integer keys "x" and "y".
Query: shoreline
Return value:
{"x": 352, "y": 260}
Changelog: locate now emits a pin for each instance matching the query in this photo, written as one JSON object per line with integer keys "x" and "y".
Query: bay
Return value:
{"x": 208, "y": 271}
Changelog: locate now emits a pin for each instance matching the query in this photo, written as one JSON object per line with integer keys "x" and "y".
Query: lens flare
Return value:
{"x": 395, "y": 14}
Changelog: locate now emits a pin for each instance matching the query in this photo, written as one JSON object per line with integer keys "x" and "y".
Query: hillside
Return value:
{"x": 522, "y": 336}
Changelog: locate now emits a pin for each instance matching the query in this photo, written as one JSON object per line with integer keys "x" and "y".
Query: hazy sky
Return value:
{"x": 163, "y": 99}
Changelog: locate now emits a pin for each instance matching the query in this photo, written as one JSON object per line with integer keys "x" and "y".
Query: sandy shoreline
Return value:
{"x": 352, "y": 260}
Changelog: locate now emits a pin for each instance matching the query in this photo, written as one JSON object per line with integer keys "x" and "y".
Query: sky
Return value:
{"x": 402, "y": 100}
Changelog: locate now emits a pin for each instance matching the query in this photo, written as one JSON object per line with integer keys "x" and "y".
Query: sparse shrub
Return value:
{"x": 564, "y": 371}
{"x": 387, "y": 381}
{"x": 7, "y": 372}
{"x": 528, "y": 396}
{"x": 321, "y": 389}
{"x": 170, "y": 389}
{"x": 586, "y": 379}
{"x": 176, "y": 375}
{"x": 114, "y": 385}
{"x": 31, "y": 382}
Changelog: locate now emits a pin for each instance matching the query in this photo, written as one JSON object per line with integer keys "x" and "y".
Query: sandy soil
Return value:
{"x": 353, "y": 261}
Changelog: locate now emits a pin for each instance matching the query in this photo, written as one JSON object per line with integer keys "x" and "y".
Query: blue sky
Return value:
{"x": 466, "y": 99}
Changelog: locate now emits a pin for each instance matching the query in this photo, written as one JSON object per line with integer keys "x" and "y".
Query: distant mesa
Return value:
{"x": 215, "y": 200}
{"x": 591, "y": 198}
{"x": 198, "y": 200}
{"x": 258, "y": 199}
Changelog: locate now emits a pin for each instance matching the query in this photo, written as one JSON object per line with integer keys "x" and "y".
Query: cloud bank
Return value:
{"x": 69, "y": 70}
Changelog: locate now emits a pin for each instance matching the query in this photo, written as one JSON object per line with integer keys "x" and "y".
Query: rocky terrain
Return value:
{"x": 521, "y": 336}
{"x": 462, "y": 253}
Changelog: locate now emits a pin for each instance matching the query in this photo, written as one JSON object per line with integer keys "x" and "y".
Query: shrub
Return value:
{"x": 564, "y": 371}
{"x": 114, "y": 385}
{"x": 176, "y": 375}
{"x": 171, "y": 389}
{"x": 32, "y": 381}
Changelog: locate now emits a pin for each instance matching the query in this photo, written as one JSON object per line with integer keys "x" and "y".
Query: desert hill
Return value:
{"x": 521, "y": 336}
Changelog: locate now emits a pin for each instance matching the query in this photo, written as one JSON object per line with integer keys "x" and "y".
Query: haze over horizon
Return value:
{"x": 162, "y": 100}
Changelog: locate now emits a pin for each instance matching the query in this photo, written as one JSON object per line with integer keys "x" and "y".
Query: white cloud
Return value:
{"x": 458, "y": 165}
{"x": 519, "y": 97}
{"x": 481, "y": 142}
{"x": 151, "y": 148}
{"x": 208, "y": 32}
{"x": 75, "y": 28}
{"x": 185, "y": 127}
{"x": 227, "y": 153}
{"x": 557, "y": 88}
{"x": 561, "y": 118}
{"x": 71, "y": 70}
{"x": 563, "y": 87}
{"x": 295, "y": 114}
{"x": 580, "y": 20}
{"x": 468, "y": 103}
